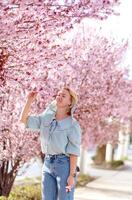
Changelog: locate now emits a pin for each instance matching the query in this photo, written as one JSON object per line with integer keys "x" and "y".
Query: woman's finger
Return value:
{"x": 68, "y": 188}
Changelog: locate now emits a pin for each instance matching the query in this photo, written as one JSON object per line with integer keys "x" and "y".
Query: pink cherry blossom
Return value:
{"x": 30, "y": 58}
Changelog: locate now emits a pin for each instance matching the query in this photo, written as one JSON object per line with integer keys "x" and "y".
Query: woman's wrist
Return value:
{"x": 72, "y": 174}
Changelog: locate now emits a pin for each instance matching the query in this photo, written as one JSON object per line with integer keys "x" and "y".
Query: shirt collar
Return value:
{"x": 63, "y": 124}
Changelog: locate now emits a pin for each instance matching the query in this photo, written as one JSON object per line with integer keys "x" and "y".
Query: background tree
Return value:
{"x": 35, "y": 60}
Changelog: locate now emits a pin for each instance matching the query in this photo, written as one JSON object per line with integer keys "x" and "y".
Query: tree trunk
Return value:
{"x": 84, "y": 161}
{"x": 123, "y": 144}
{"x": 99, "y": 158}
{"x": 7, "y": 177}
{"x": 109, "y": 153}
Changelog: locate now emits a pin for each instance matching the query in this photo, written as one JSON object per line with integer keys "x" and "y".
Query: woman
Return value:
{"x": 60, "y": 137}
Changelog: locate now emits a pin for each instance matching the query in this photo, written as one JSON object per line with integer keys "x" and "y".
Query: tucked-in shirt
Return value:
{"x": 57, "y": 136}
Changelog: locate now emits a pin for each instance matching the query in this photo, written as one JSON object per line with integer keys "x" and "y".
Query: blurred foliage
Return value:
{"x": 25, "y": 192}
{"x": 83, "y": 180}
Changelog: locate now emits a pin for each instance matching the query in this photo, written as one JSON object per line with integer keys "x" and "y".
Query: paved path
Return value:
{"x": 111, "y": 185}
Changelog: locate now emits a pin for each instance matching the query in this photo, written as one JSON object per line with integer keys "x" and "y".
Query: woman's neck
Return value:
{"x": 61, "y": 114}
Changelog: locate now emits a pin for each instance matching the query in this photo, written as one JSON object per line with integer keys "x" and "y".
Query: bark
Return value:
{"x": 7, "y": 176}
{"x": 99, "y": 158}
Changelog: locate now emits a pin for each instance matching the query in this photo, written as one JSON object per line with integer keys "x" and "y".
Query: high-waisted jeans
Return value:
{"x": 55, "y": 173}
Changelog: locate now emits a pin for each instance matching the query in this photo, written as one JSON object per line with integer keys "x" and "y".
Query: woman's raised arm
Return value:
{"x": 24, "y": 115}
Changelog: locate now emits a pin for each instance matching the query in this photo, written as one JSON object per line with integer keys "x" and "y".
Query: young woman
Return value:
{"x": 60, "y": 137}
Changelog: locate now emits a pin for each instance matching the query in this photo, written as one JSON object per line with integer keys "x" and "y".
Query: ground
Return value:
{"x": 111, "y": 185}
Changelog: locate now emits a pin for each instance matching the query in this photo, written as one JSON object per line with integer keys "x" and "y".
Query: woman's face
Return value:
{"x": 63, "y": 98}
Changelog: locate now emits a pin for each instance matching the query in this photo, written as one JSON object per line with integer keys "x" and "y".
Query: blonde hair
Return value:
{"x": 74, "y": 100}
{"x": 73, "y": 95}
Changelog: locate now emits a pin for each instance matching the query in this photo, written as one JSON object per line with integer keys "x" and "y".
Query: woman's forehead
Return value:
{"x": 64, "y": 91}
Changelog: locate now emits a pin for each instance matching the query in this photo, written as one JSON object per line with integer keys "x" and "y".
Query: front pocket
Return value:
{"x": 63, "y": 160}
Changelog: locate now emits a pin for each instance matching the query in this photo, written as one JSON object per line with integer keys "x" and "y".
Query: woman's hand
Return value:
{"x": 70, "y": 183}
{"x": 32, "y": 95}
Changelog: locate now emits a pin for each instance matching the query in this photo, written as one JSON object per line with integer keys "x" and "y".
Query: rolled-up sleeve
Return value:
{"x": 74, "y": 140}
{"x": 33, "y": 122}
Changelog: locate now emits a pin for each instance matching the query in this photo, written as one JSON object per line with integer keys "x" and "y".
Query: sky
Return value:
{"x": 126, "y": 29}
{"x": 115, "y": 26}
{"x": 120, "y": 27}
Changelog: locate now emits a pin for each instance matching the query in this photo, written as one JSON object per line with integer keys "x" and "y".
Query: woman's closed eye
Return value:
{"x": 60, "y": 95}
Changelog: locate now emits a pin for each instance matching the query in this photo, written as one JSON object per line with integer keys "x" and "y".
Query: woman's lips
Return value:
{"x": 59, "y": 101}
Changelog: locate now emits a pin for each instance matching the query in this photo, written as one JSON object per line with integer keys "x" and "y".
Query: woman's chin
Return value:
{"x": 59, "y": 105}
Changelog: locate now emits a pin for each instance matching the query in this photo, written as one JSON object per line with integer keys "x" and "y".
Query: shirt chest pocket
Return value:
{"x": 45, "y": 127}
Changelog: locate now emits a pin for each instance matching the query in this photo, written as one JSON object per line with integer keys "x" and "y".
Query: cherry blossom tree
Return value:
{"x": 29, "y": 57}
{"x": 13, "y": 139}
{"x": 28, "y": 35}
{"x": 104, "y": 91}
{"x": 99, "y": 88}
{"x": 93, "y": 68}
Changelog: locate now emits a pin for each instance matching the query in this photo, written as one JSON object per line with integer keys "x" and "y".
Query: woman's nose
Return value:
{"x": 59, "y": 98}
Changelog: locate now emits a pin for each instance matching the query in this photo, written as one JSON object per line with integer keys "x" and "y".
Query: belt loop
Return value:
{"x": 55, "y": 155}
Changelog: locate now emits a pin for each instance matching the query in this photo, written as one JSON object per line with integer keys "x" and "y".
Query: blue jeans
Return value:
{"x": 54, "y": 178}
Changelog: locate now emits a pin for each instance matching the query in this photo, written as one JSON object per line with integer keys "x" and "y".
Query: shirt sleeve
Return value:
{"x": 74, "y": 140}
{"x": 33, "y": 122}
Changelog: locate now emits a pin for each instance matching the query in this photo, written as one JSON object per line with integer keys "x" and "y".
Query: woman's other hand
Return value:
{"x": 32, "y": 95}
{"x": 70, "y": 183}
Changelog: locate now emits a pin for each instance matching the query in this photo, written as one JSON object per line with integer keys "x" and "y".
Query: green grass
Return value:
{"x": 26, "y": 192}
{"x": 116, "y": 163}
{"x": 83, "y": 180}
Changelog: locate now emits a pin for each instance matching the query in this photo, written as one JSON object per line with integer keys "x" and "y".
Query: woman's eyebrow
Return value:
{"x": 61, "y": 93}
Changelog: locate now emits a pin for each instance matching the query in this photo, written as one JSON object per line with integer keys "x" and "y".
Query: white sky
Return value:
{"x": 117, "y": 26}
{"x": 126, "y": 29}
{"x": 120, "y": 27}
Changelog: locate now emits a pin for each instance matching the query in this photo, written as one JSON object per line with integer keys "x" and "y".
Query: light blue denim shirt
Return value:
{"x": 57, "y": 136}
